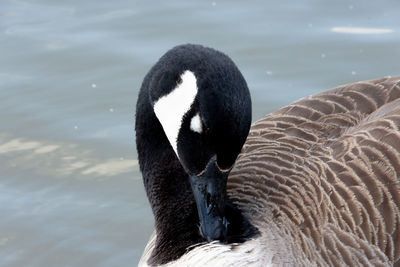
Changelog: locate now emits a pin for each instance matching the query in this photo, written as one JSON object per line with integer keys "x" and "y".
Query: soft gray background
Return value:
{"x": 70, "y": 190}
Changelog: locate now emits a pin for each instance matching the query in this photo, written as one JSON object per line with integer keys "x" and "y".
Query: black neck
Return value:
{"x": 169, "y": 191}
{"x": 167, "y": 186}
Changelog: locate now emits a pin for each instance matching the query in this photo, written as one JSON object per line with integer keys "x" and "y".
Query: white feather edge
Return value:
{"x": 148, "y": 250}
{"x": 250, "y": 253}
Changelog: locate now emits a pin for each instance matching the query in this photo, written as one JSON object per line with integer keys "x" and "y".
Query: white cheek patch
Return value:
{"x": 195, "y": 124}
{"x": 171, "y": 108}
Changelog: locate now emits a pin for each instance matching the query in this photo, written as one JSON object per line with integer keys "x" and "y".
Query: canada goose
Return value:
{"x": 315, "y": 184}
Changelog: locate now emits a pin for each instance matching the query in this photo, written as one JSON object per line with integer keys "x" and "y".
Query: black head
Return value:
{"x": 203, "y": 104}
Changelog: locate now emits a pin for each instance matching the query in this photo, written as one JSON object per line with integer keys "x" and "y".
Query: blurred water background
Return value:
{"x": 70, "y": 190}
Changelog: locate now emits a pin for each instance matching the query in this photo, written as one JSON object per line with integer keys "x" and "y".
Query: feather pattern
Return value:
{"x": 320, "y": 180}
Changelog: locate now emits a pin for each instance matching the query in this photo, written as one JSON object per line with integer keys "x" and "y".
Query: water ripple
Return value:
{"x": 361, "y": 30}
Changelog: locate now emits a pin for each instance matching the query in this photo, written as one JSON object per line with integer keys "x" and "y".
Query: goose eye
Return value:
{"x": 195, "y": 124}
{"x": 178, "y": 80}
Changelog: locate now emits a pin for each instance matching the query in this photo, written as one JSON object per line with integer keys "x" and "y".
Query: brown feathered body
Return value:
{"x": 325, "y": 171}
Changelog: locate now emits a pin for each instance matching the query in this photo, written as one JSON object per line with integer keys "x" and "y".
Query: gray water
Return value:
{"x": 70, "y": 189}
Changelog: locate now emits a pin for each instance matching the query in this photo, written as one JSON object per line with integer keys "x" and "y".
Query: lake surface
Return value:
{"x": 70, "y": 190}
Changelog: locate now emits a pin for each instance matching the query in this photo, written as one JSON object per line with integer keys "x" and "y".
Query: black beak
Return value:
{"x": 209, "y": 189}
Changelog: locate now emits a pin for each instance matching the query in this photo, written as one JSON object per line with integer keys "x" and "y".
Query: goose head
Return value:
{"x": 203, "y": 104}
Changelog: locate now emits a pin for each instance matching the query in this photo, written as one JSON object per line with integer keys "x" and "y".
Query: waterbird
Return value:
{"x": 315, "y": 183}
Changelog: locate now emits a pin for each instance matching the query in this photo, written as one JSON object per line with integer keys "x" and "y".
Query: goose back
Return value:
{"x": 325, "y": 170}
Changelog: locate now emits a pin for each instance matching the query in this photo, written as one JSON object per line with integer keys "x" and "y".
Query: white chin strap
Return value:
{"x": 171, "y": 108}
